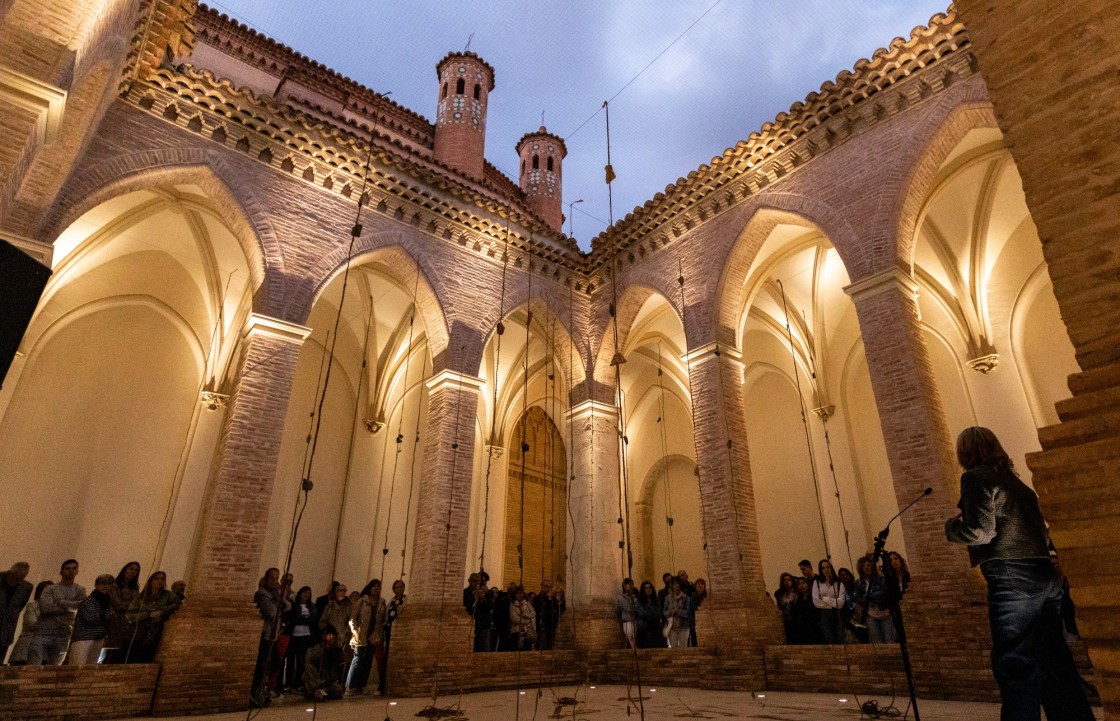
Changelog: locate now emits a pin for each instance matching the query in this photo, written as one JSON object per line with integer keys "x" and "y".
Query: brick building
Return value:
{"x": 775, "y": 353}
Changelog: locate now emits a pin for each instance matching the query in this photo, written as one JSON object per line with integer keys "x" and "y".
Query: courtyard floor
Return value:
{"x": 608, "y": 703}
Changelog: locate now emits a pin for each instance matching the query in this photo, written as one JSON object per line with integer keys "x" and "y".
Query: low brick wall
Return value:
{"x": 858, "y": 668}
{"x": 29, "y": 693}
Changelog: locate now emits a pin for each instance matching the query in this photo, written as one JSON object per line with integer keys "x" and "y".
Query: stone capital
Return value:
{"x": 888, "y": 280}
{"x": 269, "y": 327}
{"x": 589, "y": 408}
{"x": 708, "y": 351}
{"x": 454, "y": 379}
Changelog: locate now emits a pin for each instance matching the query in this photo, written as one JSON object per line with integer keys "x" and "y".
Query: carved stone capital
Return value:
{"x": 374, "y": 425}
{"x": 453, "y": 379}
{"x": 985, "y": 364}
{"x": 213, "y": 400}
{"x": 495, "y": 452}
{"x": 824, "y": 412}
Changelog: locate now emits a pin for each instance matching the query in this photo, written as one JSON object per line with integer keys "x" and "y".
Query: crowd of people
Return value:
{"x": 660, "y": 618}
{"x": 116, "y": 622}
{"x": 325, "y": 647}
{"x": 513, "y": 619}
{"x": 829, "y": 606}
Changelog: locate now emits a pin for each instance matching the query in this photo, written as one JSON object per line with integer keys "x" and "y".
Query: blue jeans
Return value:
{"x": 1030, "y": 659}
{"x": 360, "y": 668}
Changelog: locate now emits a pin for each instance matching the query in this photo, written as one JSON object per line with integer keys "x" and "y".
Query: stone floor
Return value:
{"x": 608, "y": 703}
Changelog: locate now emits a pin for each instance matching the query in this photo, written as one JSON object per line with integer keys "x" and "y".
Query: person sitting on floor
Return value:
{"x": 322, "y": 667}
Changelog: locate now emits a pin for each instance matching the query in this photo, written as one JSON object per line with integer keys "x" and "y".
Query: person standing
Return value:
{"x": 396, "y": 605}
{"x": 1002, "y": 525}
{"x": 830, "y": 598}
{"x": 678, "y": 613}
{"x": 57, "y": 607}
{"x": 125, "y": 589}
{"x": 146, "y": 615}
{"x": 301, "y": 623}
{"x": 367, "y": 624}
{"x": 30, "y": 626}
{"x": 15, "y": 592}
{"x": 626, "y": 608}
{"x": 271, "y": 607}
{"x": 91, "y": 624}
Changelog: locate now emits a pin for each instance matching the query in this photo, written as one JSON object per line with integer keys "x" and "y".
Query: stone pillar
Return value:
{"x": 598, "y": 564}
{"x": 209, "y": 647}
{"x": 744, "y": 619}
{"x": 433, "y": 637}
{"x": 947, "y": 598}
{"x": 1058, "y": 108}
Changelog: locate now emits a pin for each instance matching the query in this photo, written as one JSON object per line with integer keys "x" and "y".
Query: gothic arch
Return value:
{"x": 920, "y": 178}
{"x": 630, "y": 303}
{"x": 227, "y": 189}
{"x": 542, "y": 303}
{"x": 777, "y": 209}
{"x": 390, "y": 251}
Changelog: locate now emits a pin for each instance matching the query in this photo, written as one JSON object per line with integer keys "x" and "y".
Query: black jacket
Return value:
{"x": 1000, "y": 517}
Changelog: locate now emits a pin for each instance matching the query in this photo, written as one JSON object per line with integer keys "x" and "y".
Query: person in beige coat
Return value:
{"x": 367, "y": 624}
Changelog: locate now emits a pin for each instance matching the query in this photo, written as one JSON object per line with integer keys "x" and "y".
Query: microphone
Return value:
{"x": 886, "y": 531}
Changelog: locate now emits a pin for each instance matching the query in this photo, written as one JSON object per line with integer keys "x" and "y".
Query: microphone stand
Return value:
{"x": 895, "y": 595}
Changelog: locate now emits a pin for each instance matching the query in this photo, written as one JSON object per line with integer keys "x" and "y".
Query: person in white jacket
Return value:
{"x": 830, "y": 597}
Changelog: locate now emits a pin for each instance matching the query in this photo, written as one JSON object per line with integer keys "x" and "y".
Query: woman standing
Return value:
{"x": 301, "y": 623}
{"x": 30, "y": 625}
{"x": 804, "y": 616}
{"x": 829, "y": 597}
{"x": 523, "y": 620}
{"x": 1003, "y": 527}
{"x": 874, "y": 602}
{"x": 678, "y": 613}
{"x": 784, "y": 596}
{"x": 146, "y": 615}
{"x": 396, "y": 605}
{"x": 367, "y": 623}
{"x": 91, "y": 624}
{"x": 626, "y": 608}
{"x": 123, "y": 592}
{"x": 900, "y": 571}
{"x": 649, "y": 618}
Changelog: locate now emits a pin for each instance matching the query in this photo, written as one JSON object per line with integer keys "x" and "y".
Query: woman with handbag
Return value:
{"x": 146, "y": 616}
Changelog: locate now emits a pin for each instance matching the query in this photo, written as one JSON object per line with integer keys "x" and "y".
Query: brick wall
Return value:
{"x": 29, "y": 693}
{"x": 1052, "y": 71}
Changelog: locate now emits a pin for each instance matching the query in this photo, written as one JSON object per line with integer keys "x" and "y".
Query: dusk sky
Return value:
{"x": 737, "y": 67}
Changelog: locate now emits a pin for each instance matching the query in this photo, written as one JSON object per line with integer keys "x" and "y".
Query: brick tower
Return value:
{"x": 465, "y": 82}
{"x": 542, "y": 155}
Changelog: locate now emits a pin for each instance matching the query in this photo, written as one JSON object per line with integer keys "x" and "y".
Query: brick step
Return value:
{"x": 1096, "y": 379}
{"x": 1066, "y": 460}
{"x": 1087, "y": 404}
{"x": 1105, "y": 422}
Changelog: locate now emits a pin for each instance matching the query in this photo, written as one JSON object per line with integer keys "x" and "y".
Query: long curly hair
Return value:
{"x": 978, "y": 446}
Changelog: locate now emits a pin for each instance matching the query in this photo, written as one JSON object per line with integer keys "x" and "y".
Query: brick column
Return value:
{"x": 946, "y": 599}
{"x": 598, "y": 565}
{"x": 209, "y": 647}
{"x": 1051, "y": 74}
{"x": 432, "y": 638}
{"x": 744, "y": 618}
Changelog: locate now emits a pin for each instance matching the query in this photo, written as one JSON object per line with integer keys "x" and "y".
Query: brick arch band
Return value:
{"x": 227, "y": 190}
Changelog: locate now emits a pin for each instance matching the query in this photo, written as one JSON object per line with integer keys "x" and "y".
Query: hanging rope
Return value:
{"x": 524, "y": 453}
{"x": 416, "y": 434}
{"x": 617, "y": 361}
{"x": 662, "y": 423}
{"x": 828, "y": 449}
{"x": 353, "y": 433}
{"x": 499, "y": 331}
{"x": 805, "y": 423}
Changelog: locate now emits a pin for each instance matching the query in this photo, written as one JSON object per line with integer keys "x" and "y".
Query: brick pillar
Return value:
{"x": 209, "y": 647}
{"x": 433, "y": 637}
{"x": 598, "y": 565}
{"x": 1051, "y": 74}
{"x": 744, "y": 618}
{"x": 947, "y": 598}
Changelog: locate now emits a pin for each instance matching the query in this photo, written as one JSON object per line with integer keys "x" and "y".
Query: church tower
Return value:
{"x": 542, "y": 155}
{"x": 465, "y": 82}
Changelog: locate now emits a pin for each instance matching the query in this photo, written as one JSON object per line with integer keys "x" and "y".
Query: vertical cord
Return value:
{"x": 419, "y": 409}
{"x": 805, "y": 423}
{"x": 617, "y": 361}
{"x": 665, "y": 458}
{"x": 499, "y": 330}
{"x": 524, "y": 452}
{"x": 350, "y": 448}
